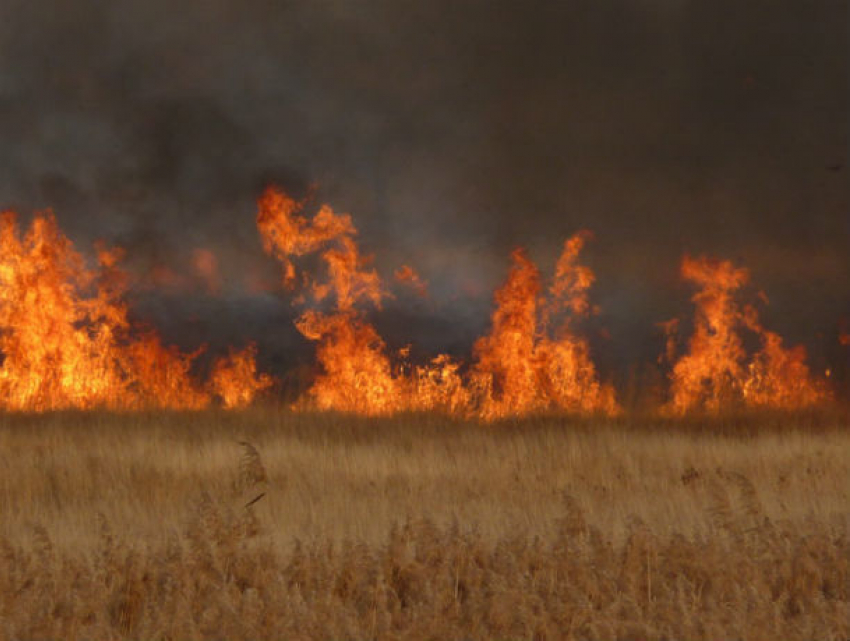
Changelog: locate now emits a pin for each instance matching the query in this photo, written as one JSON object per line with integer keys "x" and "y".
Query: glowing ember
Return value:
{"x": 66, "y": 341}
{"x": 206, "y": 267}
{"x": 715, "y": 374}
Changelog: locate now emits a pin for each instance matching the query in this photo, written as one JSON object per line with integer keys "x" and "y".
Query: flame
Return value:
{"x": 235, "y": 380}
{"x": 357, "y": 376}
{"x": 439, "y": 386}
{"x": 715, "y": 375}
{"x": 356, "y": 372}
{"x": 65, "y": 337}
{"x": 66, "y": 340}
{"x": 286, "y": 234}
{"x": 520, "y": 368}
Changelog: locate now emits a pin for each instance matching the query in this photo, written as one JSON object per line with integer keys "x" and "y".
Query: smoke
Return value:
{"x": 452, "y": 132}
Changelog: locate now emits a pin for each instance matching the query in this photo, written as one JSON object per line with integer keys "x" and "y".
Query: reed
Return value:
{"x": 269, "y": 525}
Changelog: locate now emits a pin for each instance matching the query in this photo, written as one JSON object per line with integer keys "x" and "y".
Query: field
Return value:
{"x": 324, "y": 526}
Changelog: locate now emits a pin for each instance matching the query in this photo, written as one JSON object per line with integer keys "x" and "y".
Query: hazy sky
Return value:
{"x": 452, "y": 131}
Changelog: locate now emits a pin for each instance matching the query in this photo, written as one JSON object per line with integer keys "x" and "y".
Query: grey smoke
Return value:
{"x": 452, "y": 131}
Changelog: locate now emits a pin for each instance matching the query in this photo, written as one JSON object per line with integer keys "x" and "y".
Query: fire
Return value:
{"x": 356, "y": 372}
{"x": 523, "y": 367}
{"x": 286, "y": 234}
{"x": 67, "y": 342}
{"x": 715, "y": 374}
{"x": 235, "y": 380}
{"x": 519, "y": 370}
{"x": 64, "y": 333}
{"x": 439, "y": 386}
{"x": 357, "y": 375}
{"x": 506, "y": 371}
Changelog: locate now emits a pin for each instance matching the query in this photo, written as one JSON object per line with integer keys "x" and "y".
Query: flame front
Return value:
{"x": 715, "y": 374}
{"x": 235, "y": 380}
{"x": 64, "y": 334}
{"x": 66, "y": 340}
{"x": 519, "y": 370}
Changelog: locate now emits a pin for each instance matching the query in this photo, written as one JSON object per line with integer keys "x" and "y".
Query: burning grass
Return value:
{"x": 66, "y": 340}
{"x": 136, "y": 526}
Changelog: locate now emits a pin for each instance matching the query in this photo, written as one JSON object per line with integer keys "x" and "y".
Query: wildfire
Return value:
{"x": 67, "y": 342}
{"x": 235, "y": 379}
{"x": 519, "y": 369}
{"x": 65, "y": 337}
{"x": 356, "y": 374}
{"x": 716, "y": 374}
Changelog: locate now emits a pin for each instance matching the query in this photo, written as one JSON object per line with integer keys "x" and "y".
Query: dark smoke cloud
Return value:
{"x": 452, "y": 131}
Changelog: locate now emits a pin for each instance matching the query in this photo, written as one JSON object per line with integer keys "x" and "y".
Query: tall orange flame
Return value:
{"x": 715, "y": 374}
{"x": 356, "y": 372}
{"x": 64, "y": 334}
{"x": 522, "y": 367}
{"x": 518, "y": 371}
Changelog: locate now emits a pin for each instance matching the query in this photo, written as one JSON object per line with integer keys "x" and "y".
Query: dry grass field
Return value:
{"x": 135, "y": 526}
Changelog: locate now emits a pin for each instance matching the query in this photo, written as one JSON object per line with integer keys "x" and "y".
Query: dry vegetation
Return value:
{"x": 135, "y": 527}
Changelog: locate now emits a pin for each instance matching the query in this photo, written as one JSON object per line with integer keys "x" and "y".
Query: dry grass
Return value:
{"x": 266, "y": 524}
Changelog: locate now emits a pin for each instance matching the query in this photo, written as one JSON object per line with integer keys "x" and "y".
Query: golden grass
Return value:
{"x": 267, "y": 524}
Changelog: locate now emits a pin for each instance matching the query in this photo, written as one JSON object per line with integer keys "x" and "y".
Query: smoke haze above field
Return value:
{"x": 452, "y": 132}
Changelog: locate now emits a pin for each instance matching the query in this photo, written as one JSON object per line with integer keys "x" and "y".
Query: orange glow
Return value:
{"x": 256, "y": 283}
{"x": 206, "y": 267}
{"x": 162, "y": 277}
{"x": 715, "y": 374}
{"x": 409, "y": 276}
{"x": 844, "y": 339}
{"x": 66, "y": 341}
